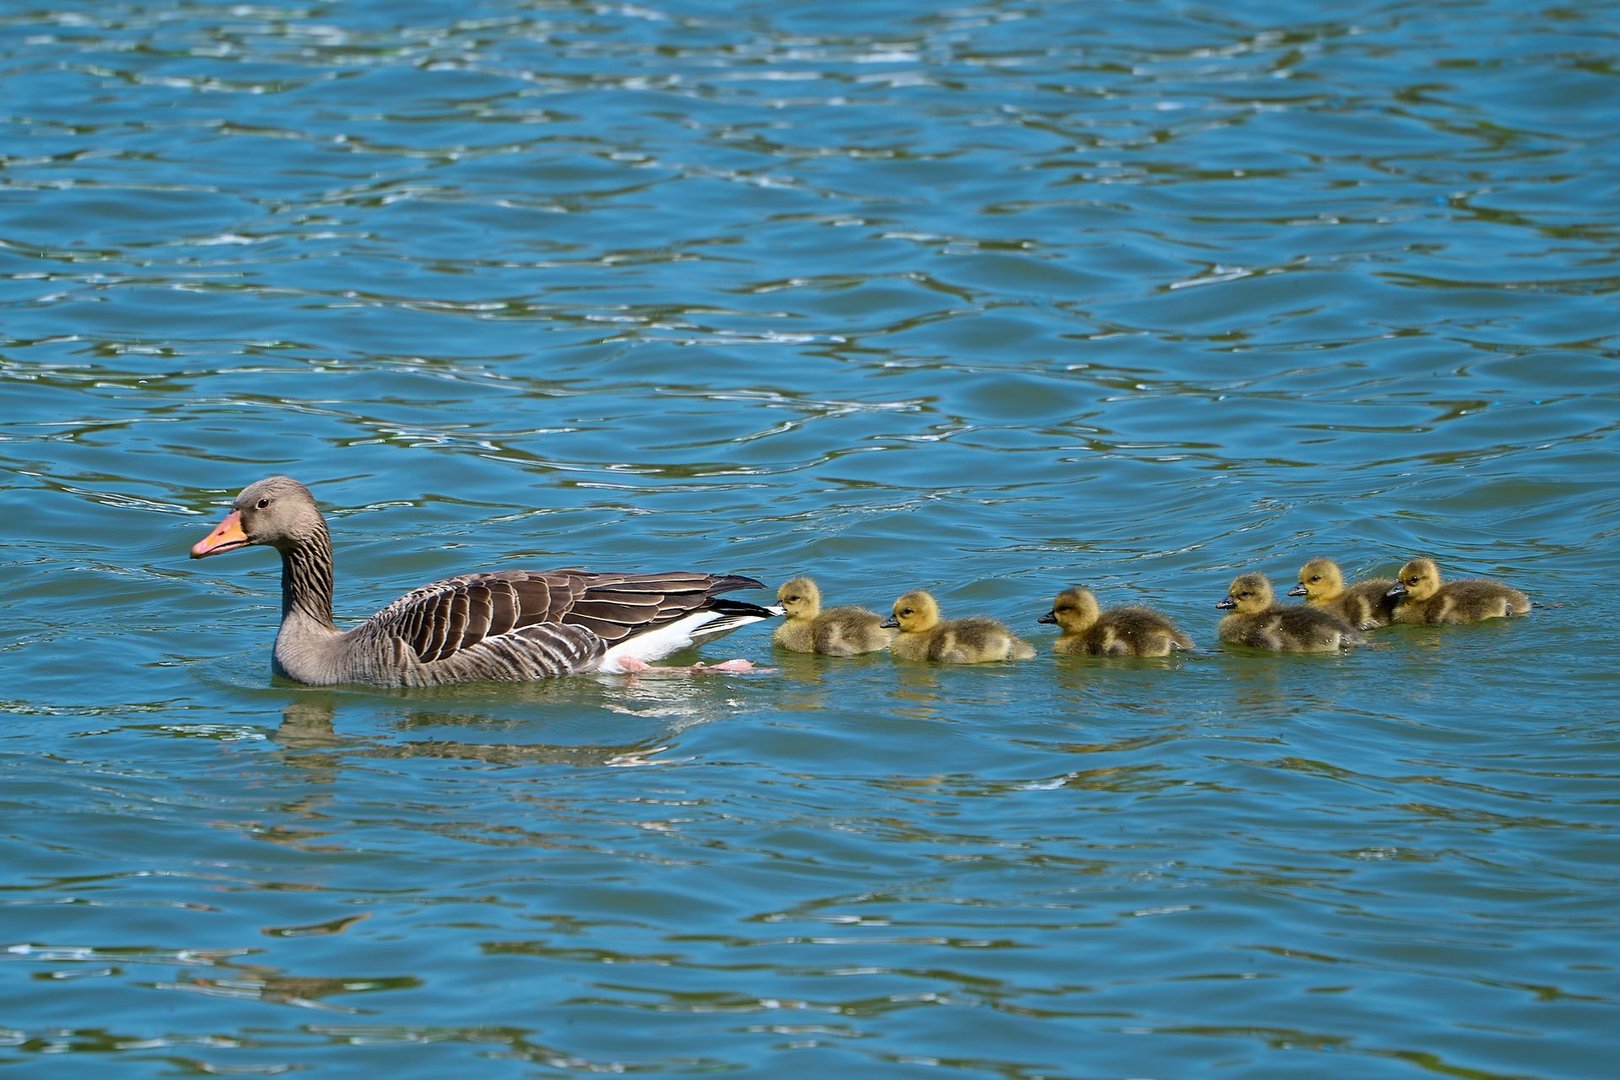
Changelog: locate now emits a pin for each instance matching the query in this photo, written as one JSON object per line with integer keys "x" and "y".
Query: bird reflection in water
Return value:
{"x": 310, "y": 722}
{"x": 260, "y": 982}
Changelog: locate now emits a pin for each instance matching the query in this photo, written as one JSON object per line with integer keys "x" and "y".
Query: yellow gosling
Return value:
{"x": 839, "y": 631}
{"x": 1087, "y": 630}
{"x": 924, "y": 636}
{"x": 1366, "y": 605}
{"x": 1420, "y": 597}
{"x": 1258, "y": 622}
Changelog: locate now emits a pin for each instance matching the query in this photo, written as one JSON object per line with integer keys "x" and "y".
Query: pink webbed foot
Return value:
{"x": 630, "y": 665}
{"x": 733, "y": 665}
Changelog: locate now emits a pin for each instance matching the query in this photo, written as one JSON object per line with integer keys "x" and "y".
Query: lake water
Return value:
{"x": 988, "y": 298}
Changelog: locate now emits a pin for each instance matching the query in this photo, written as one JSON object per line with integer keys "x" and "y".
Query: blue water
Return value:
{"x": 989, "y": 299}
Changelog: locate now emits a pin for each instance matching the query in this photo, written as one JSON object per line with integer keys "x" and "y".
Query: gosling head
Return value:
{"x": 1319, "y": 579}
{"x": 1248, "y": 594}
{"x": 800, "y": 598}
{"x": 1074, "y": 610}
{"x": 914, "y": 613}
{"x": 1418, "y": 580}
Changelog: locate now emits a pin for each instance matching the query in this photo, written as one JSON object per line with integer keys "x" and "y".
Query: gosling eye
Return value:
{"x": 262, "y": 504}
{"x": 1316, "y": 577}
{"x": 791, "y": 599}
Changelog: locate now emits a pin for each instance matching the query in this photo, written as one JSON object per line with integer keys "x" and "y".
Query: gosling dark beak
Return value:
{"x": 1297, "y": 590}
{"x": 1226, "y": 602}
{"x": 1397, "y": 589}
{"x": 1049, "y": 617}
{"x": 891, "y": 623}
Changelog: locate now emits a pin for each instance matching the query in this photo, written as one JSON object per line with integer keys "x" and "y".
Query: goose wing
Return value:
{"x": 560, "y": 620}
{"x": 617, "y": 607}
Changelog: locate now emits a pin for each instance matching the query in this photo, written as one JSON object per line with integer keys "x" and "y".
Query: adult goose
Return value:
{"x": 507, "y": 625}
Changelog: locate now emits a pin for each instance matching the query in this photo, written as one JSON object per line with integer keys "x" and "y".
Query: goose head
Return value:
{"x": 277, "y": 512}
{"x": 1248, "y": 594}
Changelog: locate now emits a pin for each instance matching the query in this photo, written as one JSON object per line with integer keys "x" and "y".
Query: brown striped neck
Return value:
{"x": 306, "y": 576}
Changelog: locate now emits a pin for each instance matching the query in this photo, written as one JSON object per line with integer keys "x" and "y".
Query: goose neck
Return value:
{"x": 306, "y": 578}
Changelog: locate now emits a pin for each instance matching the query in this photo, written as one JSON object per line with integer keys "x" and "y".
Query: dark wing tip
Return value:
{"x": 734, "y": 608}
{"x": 727, "y": 582}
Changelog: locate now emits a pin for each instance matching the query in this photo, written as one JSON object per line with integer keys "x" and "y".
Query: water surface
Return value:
{"x": 990, "y": 299}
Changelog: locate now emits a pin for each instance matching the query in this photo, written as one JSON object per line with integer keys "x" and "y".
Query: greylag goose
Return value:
{"x": 1421, "y": 598}
{"x": 974, "y": 640}
{"x": 1366, "y": 605}
{"x": 839, "y": 631}
{"x": 506, "y": 625}
{"x": 1087, "y": 630}
{"x": 1257, "y": 622}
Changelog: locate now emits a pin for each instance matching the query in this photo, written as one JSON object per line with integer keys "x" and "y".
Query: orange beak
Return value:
{"x": 227, "y": 536}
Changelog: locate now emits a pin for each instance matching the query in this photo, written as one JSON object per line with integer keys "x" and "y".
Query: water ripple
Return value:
{"x": 989, "y": 299}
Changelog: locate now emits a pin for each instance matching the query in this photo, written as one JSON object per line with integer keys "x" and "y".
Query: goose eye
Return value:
{"x": 1316, "y": 577}
{"x": 262, "y": 504}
